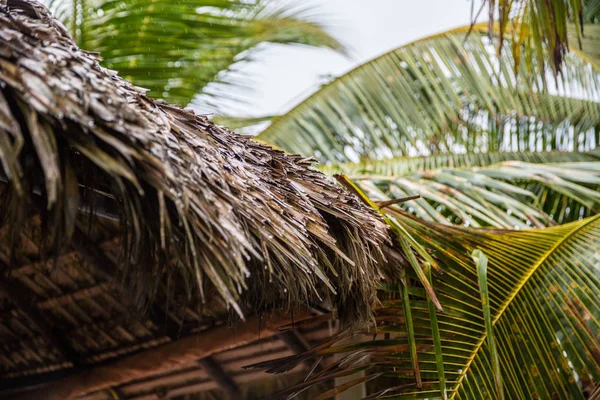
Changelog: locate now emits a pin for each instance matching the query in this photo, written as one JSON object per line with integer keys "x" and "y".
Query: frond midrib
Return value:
{"x": 514, "y": 294}
{"x": 337, "y": 168}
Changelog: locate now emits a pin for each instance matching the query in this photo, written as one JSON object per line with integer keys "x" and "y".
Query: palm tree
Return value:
{"x": 181, "y": 49}
{"x": 493, "y": 143}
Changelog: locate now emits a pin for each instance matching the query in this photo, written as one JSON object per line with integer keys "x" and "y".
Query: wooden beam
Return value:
{"x": 298, "y": 344}
{"x": 25, "y": 300}
{"x": 162, "y": 358}
{"x": 14, "y": 386}
{"x": 193, "y": 387}
{"x": 69, "y": 298}
{"x": 218, "y": 374}
{"x": 295, "y": 341}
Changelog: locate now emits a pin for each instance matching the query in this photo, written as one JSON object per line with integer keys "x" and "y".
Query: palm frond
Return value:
{"x": 484, "y": 190}
{"x": 240, "y": 122}
{"x": 591, "y": 12}
{"x": 590, "y": 48}
{"x": 176, "y": 49}
{"x": 399, "y": 166}
{"x": 444, "y": 95}
{"x": 542, "y": 287}
{"x": 547, "y": 29}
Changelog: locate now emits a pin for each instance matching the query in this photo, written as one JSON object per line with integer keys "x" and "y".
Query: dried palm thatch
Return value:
{"x": 218, "y": 211}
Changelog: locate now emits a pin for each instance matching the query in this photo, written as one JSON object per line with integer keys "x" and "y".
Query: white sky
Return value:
{"x": 284, "y": 76}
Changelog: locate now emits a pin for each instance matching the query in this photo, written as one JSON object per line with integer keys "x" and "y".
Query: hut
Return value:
{"x": 146, "y": 253}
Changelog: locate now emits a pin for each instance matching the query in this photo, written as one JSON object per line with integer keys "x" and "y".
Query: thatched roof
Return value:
{"x": 224, "y": 207}
{"x": 103, "y": 187}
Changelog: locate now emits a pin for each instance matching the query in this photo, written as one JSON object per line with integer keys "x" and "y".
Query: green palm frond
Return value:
{"x": 590, "y": 43}
{"x": 506, "y": 145}
{"x": 547, "y": 29}
{"x": 444, "y": 95}
{"x": 176, "y": 49}
{"x": 507, "y": 195}
{"x": 542, "y": 287}
{"x": 404, "y": 165}
{"x": 591, "y": 12}
{"x": 502, "y": 190}
{"x": 241, "y": 122}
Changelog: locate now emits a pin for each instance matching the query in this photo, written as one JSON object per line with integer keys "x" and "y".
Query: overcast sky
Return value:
{"x": 286, "y": 75}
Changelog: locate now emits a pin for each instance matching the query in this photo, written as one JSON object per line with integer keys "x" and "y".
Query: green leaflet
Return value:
{"x": 556, "y": 26}
{"x": 481, "y": 262}
{"x": 437, "y": 342}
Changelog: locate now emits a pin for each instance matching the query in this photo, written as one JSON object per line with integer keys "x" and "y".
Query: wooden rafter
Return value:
{"x": 295, "y": 341}
{"x": 192, "y": 388}
{"x": 222, "y": 378}
{"x": 69, "y": 298}
{"x": 153, "y": 361}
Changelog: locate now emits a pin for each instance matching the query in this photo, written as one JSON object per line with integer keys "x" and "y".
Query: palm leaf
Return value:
{"x": 405, "y": 165}
{"x": 545, "y": 318}
{"x": 547, "y": 29}
{"x": 590, "y": 43}
{"x": 441, "y": 95}
{"x": 177, "y": 49}
{"x": 236, "y": 123}
{"x": 481, "y": 190}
